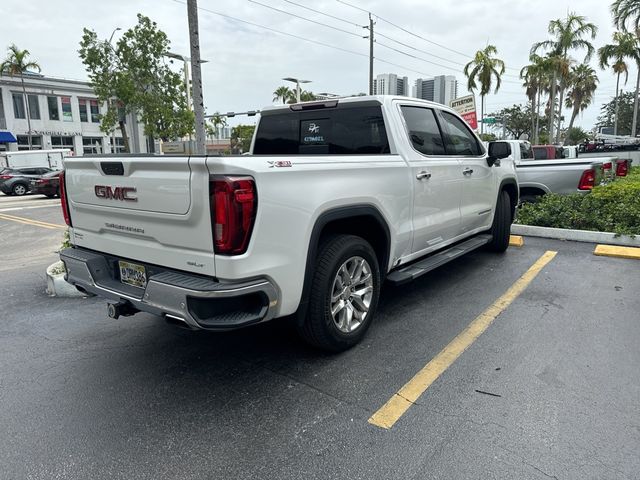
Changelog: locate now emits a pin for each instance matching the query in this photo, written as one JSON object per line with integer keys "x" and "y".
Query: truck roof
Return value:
{"x": 365, "y": 99}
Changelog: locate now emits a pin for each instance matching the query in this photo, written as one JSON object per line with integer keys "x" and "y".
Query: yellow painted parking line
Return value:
{"x": 616, "y": 251}
{"x": 516, "y": 241}
{"x": 401, "y": 401}
{"x": 28, "y": 221}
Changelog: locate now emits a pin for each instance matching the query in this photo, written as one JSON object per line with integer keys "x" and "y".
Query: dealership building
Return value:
{"x": 63, "y": 114}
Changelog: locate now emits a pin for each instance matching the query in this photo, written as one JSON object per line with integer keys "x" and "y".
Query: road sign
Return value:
{"x": 466, "y": 107}
{"x": 490, "y": 120}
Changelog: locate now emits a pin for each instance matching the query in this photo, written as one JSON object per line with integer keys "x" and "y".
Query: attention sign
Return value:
{"x": 466, "y": 107}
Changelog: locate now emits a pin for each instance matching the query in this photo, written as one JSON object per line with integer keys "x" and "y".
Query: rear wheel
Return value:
{"x": 344, "y": 293}
{"x": 501, "y": 227}
{"x": 19, "y": 189}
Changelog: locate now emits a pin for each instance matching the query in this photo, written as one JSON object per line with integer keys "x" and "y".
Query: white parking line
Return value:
{"x": 12, "y": 208}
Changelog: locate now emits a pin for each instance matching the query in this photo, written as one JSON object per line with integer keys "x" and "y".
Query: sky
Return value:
{"x": 246, "y": 62}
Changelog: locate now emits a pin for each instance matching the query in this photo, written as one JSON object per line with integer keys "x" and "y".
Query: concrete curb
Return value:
{"x": 57, "y": 286}
{"x": 575, "y": 235}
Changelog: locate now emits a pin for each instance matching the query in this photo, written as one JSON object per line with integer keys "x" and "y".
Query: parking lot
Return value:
{"x": 549, "y": 390}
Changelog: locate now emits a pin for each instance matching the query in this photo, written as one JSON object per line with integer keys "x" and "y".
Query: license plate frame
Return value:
{"x": 132, "y": 274}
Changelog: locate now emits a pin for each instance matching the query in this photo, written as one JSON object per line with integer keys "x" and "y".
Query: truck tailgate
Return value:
{"x": 152, "y": 209}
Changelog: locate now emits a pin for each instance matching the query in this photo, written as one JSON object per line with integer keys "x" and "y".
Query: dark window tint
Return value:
{"x": 540, "y": 153}
{"x": 526, "y": 153}
{"x": 82, "y": 106}
{"x": 18, "y": 106}
{"x": 34, "y": 107}
{"x": 339, "y": 131}
{"x": 459, "y": 140}
{"x": 424, "y": 132}
{"x": 54, "y": 113}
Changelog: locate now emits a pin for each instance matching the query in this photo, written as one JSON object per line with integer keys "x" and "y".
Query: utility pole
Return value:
{"x": 196, "y": 75}
{"x": 370, "y": 54}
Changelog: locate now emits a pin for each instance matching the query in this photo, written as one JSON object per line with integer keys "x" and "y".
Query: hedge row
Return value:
{"x": 608, "y": 208}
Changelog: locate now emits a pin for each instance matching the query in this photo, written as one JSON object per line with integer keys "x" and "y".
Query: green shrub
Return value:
{"x": 608, "y": 208}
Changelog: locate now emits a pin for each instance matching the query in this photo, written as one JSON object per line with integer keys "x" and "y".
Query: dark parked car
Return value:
{"x": 16, "y": 181}
{"x": 48, "y": 184}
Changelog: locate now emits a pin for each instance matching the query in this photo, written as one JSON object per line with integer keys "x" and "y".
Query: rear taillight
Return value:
{"x": 63, "y": 201}
{"x": 233, "y": 210}
{"x": 5, "y": 177}
{"x": 622, "y": 168}
{"x": 607, "y": 166}
{"x": 588, "y": 180}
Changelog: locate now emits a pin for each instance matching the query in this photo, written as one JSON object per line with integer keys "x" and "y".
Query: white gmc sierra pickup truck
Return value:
{"x": 337, "y": 197}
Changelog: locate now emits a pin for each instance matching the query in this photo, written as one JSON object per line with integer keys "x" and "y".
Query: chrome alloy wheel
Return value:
{"x": 351, "y": 294}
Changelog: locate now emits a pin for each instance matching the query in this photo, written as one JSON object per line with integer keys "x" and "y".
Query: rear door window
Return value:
{"x": 540, "y": 153}
{"x": 459, "y": 140}
{"x": 423, "y": 130}
{"x": 338, "y": 131}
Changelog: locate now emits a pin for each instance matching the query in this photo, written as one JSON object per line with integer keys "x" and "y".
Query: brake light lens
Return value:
{"x": 63, "y": 201}
{"x": 588, "y": 180}
{"x": 622, "y": 168}
{"x": 607, "y": 166}
{"x": 5, "y": 177}
{"x": 233, "y": 211}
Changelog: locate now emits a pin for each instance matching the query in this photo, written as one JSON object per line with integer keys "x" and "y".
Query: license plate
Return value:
{"x": 132, "y": 274}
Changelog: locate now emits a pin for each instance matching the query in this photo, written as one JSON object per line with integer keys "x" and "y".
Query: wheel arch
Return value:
{"x": 510, "y": 185}
{"x": 351, "y": 220}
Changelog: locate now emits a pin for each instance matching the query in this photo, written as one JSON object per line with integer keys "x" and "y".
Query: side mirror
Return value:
{"x": 497, "y": 151}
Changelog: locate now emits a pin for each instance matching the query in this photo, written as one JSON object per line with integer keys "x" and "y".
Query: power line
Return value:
{"x": 411, "y": 33}
{"x": 306, "y": 19}
{"x": 416, "y": 57}
{"x": 325, "y": 14}
{"x": 275, "y": 30}
{"x": 417, "y": 49}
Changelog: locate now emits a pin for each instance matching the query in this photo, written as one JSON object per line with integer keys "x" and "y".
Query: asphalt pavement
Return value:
{"x": 549, "y": 390}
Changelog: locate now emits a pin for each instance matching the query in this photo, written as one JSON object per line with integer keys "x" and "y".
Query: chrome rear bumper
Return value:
{"x": 200, "y": 302}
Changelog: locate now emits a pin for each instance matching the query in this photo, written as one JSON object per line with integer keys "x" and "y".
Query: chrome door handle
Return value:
{"x": 467, "y": 171}
{"x": 423, "y": 174}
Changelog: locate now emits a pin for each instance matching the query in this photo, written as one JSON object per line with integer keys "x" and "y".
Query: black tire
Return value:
{"x": 529, "y": 198}
{"x": 319, "y": 328}
{"x": 19, "y": 189}
{"x": 501, "y": 227}
{"x": 50, "y": 195}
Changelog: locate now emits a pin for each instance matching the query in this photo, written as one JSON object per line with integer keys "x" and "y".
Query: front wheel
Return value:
{"x": 344, "y": 293}
{"x": 501, "y": 227}
{"x": 19, "y": 189}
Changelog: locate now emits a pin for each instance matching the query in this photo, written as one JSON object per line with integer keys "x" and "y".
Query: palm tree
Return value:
{"x": 16, "y": 64}
{"x": 625, "y": 46}
{"x": 482, "y": 70}
{"x": 583, "y": 84}
{"x": 568, "y": 34}
{"x": 536, "y": 81}
{"x": 215, "y": 122}
{"x": 282, "y": 93}
{"x": 626, "y": 13}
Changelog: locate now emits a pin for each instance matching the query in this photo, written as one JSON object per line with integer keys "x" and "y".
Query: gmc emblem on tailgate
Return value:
{"x": 116, "y": 193}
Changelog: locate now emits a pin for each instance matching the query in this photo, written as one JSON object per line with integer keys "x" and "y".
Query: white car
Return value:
{"x": 337, "y": 197}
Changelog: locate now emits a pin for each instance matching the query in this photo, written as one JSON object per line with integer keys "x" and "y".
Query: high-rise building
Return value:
{"x": 440, "y": 89}
{"x": 390, "y": 84}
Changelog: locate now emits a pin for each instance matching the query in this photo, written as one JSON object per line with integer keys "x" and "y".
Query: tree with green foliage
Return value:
{"x": 575, "y": 135}
{"x": 282, "y": 93}
{"x": 536, "y": 78}
{"x": 214, "y": 124}
{"x": 583, "y": 83}
{"x": 624, "y": 47}
{"x": 626, "y": 17}
{"x": 516, "y": 120}
{"x": 241, "y": 136}
{"x": 625, "y": 113}
{"x": 17, "y": 63}
{"x": 482, "y": 71}
{"x": 134, "y": 77}
{"x": 568, "y": 34}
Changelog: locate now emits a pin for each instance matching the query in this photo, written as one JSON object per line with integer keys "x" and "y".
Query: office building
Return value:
{"x": 63, "y": 114}
{"x": 441, "y": 89}
{"x": 390, "y": 84}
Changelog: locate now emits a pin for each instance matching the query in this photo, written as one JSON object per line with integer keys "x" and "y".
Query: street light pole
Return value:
{"x": 196, "y": 75}
{"x": 297, "y": 82}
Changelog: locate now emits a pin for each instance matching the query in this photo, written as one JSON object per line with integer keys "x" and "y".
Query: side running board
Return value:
{"x": 415, "y": 270}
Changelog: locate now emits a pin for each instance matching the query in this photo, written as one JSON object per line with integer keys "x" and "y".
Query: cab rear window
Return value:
{"x": 339, "y": 131}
